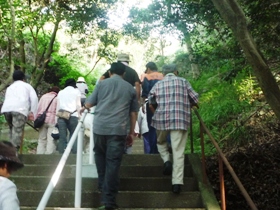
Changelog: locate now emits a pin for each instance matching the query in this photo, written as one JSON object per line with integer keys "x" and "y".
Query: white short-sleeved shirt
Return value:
{"x": 69, "y": 99}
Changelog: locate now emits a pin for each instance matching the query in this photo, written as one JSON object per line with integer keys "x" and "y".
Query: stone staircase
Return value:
{"x": 142, "y": 185}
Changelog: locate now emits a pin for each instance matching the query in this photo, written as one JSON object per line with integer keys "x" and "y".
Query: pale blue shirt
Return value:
{"x": 8, "y": 195}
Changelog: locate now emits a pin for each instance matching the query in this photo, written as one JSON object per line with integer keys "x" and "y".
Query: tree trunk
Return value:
{"x": 11, "y": 47}
{"x": 235, "y": 18}
{"x": 47, "y": 56}
{"x": 194, "y": 66}
{"x": 22, "y": 53}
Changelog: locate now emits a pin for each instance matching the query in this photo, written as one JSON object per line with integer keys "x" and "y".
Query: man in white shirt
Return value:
{"x": 69, "y": 100}
{"x": 20, "y": 103}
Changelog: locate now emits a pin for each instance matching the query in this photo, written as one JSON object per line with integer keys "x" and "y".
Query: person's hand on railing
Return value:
{"x": 30, "y": 116}
{"x": 83, "y": 109}
{"x": 194, "y": 106}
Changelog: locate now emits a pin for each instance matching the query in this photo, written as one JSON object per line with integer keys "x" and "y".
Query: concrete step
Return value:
{"x": 137, "y": 151}
{"x": 58, "y": 208}
{"x": 142, "y": 184}
{"x": 131, "y": 159}
{"x": 138, "y": 147}
{"x": 125, "y": 199}
{"x": 90, "y": 184}
{"x": 70, "y": 171}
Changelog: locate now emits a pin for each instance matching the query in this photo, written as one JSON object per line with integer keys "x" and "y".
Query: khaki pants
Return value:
{"x": 178, "y": 144}
{"x": 46, "y": 144}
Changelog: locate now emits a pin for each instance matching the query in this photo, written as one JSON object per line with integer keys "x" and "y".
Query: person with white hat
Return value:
{"x": 83, "y": 88}
{"x": 9, "y": 162}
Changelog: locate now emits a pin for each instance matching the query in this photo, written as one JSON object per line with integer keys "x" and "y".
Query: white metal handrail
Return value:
{"x": 55, "y": 177}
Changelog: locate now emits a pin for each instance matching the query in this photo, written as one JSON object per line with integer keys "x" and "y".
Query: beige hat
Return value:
{"x": 123, "y": 57}
{"x": 81, "y": 79}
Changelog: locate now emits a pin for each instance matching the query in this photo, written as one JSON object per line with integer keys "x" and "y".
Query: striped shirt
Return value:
{"x": 43, "y": 104}
{"x": 173, "y": 95}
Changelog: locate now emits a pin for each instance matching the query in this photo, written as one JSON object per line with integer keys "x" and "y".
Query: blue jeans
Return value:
{"x": 150, "y": 138}
{"x": 150, "y": 141}
{"x": 63, "y": 126}
{"x": 108, "y": 156}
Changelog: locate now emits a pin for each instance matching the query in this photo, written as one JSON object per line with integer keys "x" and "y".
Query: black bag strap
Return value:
{"x": 50, "y": 104}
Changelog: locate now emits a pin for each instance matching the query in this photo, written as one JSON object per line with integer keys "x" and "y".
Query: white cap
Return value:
{"x": 81, "y": 79}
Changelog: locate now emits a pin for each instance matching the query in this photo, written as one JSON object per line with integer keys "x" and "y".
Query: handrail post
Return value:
{"x": 203, "y": 153}
{"x": 227, "y": 164}
{"x": 191, "y": 132}
{"x": 61, "y": 164}
{"x": 222, "y": 183}
{"x": 91, "y": 144}
{"x": 79, "y": 163}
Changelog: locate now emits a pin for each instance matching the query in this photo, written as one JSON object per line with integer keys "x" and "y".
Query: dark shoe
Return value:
{"x": 176, "y": 188}
{"x": 167, "y": 168}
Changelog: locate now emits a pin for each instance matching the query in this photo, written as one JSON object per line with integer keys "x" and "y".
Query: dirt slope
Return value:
{"x": 257, "y": 165}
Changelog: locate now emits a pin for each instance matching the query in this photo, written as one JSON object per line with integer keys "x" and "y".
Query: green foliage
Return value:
{"x": 32, "y": 37}
{"x": 2, "y": 119}
{"x": 223, "y": 106}
{"x": 28, "y": 146}
{"x": 61, "y": 68}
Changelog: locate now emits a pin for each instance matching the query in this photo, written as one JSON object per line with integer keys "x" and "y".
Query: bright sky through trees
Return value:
{"x": 120, "y": 14}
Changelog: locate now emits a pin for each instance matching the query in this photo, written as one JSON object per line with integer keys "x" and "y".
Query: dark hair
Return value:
{"x": 54, "y": 89}
{"x": 70, "y": 82}
{"x": 152, "y": 66}
{"x": 117, "y": 68}
{"x": 11, "y": 166}
{"x": 18, "y": 75}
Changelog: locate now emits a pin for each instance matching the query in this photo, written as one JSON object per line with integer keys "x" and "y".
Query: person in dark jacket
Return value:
{"x": 151, "y": 78}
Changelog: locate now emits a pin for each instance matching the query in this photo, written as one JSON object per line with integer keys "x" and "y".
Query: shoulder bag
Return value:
{"x": 40, "y": 120}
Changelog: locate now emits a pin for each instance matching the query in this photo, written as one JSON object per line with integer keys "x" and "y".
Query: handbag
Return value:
{"x": 64, "y": 114}
{"x": 40, "y": 120}
{"x": 55, "y": 133}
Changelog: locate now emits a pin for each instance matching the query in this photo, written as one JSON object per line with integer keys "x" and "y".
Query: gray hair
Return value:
{"x": 170, "y": 68}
